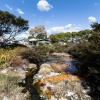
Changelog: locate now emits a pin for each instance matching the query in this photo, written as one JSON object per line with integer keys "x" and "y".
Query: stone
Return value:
{"x": 24, "y": 64}
{"x": 45, "y": 69}
{"x": 4, "y": 71}
{"x": 45, "y": 65}
{"x": 32, "y": 66}
{"x": 5, "y": 98}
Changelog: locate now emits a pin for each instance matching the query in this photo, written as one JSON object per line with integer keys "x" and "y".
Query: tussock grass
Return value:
{"x": 10, "y": 57}
{"x": 9, "y": 87}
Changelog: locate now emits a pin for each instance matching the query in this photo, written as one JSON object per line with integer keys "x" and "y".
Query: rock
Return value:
{"x": 63, "y": 86}
{"x": 45, "y": 69}
{"x": 55, "y": 83}
{"x": 24, "y": 64}
{"x": 61, "y": 54}
{"x": 32, "y": 66}
{"x": 45, "y": 65}
{"x": 58, "y": 67}
{"x": 5, "y": 98}
{"x": 53, "y": 98}
{"x": 4, "y": 71}
{"x": 70, "y": 93}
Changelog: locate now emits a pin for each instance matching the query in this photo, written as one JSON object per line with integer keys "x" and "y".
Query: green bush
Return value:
{"x": 59, "y": 48}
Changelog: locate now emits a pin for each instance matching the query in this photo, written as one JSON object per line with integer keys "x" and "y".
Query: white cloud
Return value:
{"x": 8, "y": 7}
{"x": 92, "y": 19}
{"x": 43, "y": 5}
{"x": 22, "y": 36}
{"x": 20, "y": 11}
{"x": 67, "y": 28}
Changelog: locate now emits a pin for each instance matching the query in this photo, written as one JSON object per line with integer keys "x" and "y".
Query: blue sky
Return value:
{"x": 55, "y": 15}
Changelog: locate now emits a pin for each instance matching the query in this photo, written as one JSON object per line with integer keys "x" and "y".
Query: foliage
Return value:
{"x": 59, "y": 48}
{"x": 95, "y": 27}
{"x": 54, "y": 38}
{"x": 35, "y": 54}
{"x": 12, "y": 25}
{"x": 88, "y": 54}
{"x": 60, "y": 37}
{"x": 39, "y": 32}
{"x": 30, "y": 37}
{"x": 10, "y": 57}
{"x": 64, "y": 37}
{"x": 9, "y": 87}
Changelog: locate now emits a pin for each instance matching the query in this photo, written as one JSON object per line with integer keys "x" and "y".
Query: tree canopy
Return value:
{"x": 12, "y": 25}
{"x": 64, "y": 37}
{"x": 95, "y": 27}
{"x": 39, "y": 32}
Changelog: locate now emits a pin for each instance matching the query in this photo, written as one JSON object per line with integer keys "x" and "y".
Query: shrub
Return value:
{"x": 60, "y": 49}
{"x": 10, "y": 57}
{"x": 35, "y": 54}
{"x": 89, "y": 55}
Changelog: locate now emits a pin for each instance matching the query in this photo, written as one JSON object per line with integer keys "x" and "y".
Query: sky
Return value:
{"x": 56, "y": 15}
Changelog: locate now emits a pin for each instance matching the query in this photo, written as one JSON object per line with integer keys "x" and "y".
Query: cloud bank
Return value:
{"x": 22, "y": 35}
{"x": 67, "y": 28}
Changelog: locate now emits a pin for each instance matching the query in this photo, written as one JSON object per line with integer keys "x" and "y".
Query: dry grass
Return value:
{"x": 10, "y": 88}
{"x": 9, "y": 57}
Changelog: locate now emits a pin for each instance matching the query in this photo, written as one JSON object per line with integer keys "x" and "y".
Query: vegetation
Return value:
{"x": 12, "y": 25}
{"x": 39, "y": 32}
{"x": 64, "y": 37}
{"x": 35, "y": 54}
{"x": 95, "y": 27}
{"x": 30, "y": 37}
{"x": 88, "y": 53}
{"x": 7, "y": 85}
{"x": 10, "y": 57}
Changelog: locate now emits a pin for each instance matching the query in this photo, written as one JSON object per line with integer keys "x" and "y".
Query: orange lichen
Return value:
{"x": 58, "y": 67}
{"x": 58, "y": 78}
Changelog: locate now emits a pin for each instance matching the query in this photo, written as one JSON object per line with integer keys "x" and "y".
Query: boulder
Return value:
{"x": 32, "y": 66}
{"x": 45, "y": 69}
{"x": 64, "y": 86}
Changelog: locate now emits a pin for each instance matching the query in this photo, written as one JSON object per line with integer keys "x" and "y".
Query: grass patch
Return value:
{"x": 7, "y": 84}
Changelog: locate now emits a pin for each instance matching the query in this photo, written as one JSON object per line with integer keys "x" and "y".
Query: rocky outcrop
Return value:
{"x": 9, "y": 89}
{"x": 53, "y": 80}
{"x": 57, "y": 84}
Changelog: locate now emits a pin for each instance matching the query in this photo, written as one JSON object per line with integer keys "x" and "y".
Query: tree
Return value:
{"x": 12, "y": 25}
{"x": 60, "y": 37}
{"x": 54, "y": 38}
{"x": 95, "y": 27}
{"x": 39, "y": 32}
{"x": 30, "y": 37}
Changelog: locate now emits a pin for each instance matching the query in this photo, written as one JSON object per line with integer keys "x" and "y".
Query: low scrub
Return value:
{"x": 10, "y": 57}
{"x": 34, "y": 54}
{"x": 7, "y": 84}
{"x": 88, "y": 53}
